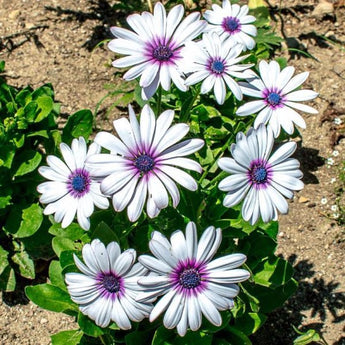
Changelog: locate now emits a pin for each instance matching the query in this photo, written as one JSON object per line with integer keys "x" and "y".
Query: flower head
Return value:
{"x": 233, "y": 22}
{"x": 107, "y": 287}
{"x": 216, "y": 62}
{"x": 191, "y": 282}
{"x": 258, "y": 177}
{"x": 143, "y": 163}
{"x": 71, "y": 190}
{"x": 278, "y": 101}
{"x": 154, "y": 47}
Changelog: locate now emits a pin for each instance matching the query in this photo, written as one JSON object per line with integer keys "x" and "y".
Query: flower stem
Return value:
{"x": 186, "y": 113}
{"x": 217, "y": 156}
{"x": 159, "y": 100}
{"x": 106, "y": 339}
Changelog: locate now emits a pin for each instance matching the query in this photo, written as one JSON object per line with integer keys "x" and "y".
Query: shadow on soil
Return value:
{"x": 311, "y": 162}
{"x": 104, "y": 14}
{"x": 313, "y": 295}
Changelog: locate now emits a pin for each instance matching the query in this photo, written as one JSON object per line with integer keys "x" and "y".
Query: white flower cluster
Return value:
{"x": 146, "y": 161}
{"x": 112, "y": 288}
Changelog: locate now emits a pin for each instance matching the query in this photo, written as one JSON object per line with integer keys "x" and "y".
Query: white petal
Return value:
{"x": 180, "y": 177}
{"x": 119, "y": 316}
{"x": 227, "y": 262}
{"x": 124, "y": 262}
{"x": 162, "y": 305}
{"x": 194, "y": 313}
{"x": 154, "y": 264}
{"x": 250, "y": 108}
{"x": 232, "y": 276}
{"x": 295, "y": 82}
{"x": 209, "y": 310}
{"x": 162, "y": 253}
{"x": 136, "y": 205}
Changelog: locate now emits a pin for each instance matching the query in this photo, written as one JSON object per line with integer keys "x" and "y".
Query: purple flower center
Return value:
{"x": 111, "y": 283}
{"x": 144, "y": 163}
{"x": 273, "y": 98}
{"x": 79, "y": 183}
{"x": 217, "y": 66}
{"x": 190, "y": 278}
{"x": 259, "y": 173}
{"x": 231, "y": 25}
{"x": 162, "y": 53}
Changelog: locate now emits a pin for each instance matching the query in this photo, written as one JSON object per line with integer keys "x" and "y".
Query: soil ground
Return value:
{"x": 52, "y": 41}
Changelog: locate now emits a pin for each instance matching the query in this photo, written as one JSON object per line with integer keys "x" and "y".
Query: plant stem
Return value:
{"x": 185, "y": 115}
{"x": 159, "y": 100}
{"x": 218, "y": 155}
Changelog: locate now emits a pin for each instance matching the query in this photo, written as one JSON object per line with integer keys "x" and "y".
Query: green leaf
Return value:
{"x": 55, "y": 275}
{"x": 249, "y": 323}
{"x": 135, "y": 338}
{"x": 199, "y": 338}
{"x": 30, "y": 111}
{"x": 71, "y": 337}
{"x": 163, "y": 336}
{"x": 3, "y": 259}
{"x": 7, "y": 153}
{"x": 2, "y": 66}
{"x": 45, "y": 105}
{"x": 5, "y": 198}
{"x": 306, "y": 338}
{"x": 50, "y": 297}
{"x": 23, "y": 96}
{"x": 61, "y": 244}
{"x": 8, "y": 279}
{"x": 72, "y": 232}
{"x": 28, "y": 161}
{"x": 269, "y": 298}
{"x": 89, "y": 327}
{"x": 104, "y": 233}
{"x": 32, "y": 220}
{"x": 237, "y": 337}
{"x": 273, "y": 272}
{"x": 78, "y": 124}
{"x": 25, "y": 264}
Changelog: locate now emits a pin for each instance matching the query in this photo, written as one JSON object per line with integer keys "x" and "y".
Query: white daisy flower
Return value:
{"x": 232, "y": 21}
{"x": 107, "y": 287}
{"x": 191, "y": 283}
{"x": 216, "y": 62}
{"x": 278, "y": 101}
{"x": 334, "y": 208}
{"x": 258, "y": 177}
{"x": 71, "y": 190}
{"x": 335, "y": 153}
{"x": 330, "y": 161}
{"x": 154, "y": 46}
{"x": 324, "y": 201}
{"x": 337, "y": 121}
{"x": 144, "y": 162}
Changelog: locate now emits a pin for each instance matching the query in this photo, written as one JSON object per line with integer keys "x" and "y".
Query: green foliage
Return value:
{"x": 308, "y": 337}
{"x": 28, "y": 132}
{"x": 271, "y": 281}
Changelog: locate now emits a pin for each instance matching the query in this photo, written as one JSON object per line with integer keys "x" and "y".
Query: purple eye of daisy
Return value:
{"x": 162, "y": 53}
{"x": 190, "y": 278}
{"x": 217, "y": 66}
{"x": 111, "y": 283}
{"x": 79, "y": 183}
{"x": 273, "y": 98}
{"x": 231, "y": 25}
{"x": 259, "y": 172}
{"x": 144, "y": 163}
